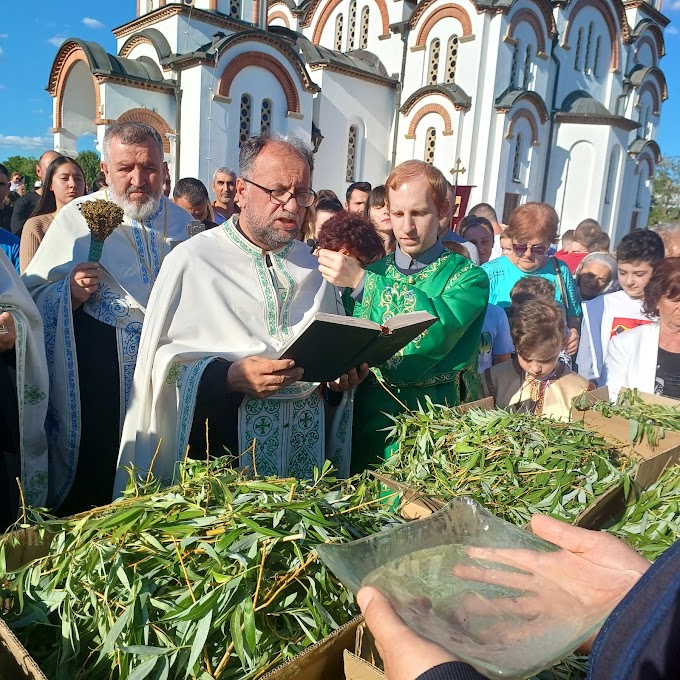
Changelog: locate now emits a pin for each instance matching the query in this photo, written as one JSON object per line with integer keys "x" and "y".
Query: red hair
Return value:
{"x": 413, "y": 169}
{"x": 348, "y": 231}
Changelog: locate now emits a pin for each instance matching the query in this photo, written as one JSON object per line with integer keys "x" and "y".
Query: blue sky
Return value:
{"x": 31, "y": 32}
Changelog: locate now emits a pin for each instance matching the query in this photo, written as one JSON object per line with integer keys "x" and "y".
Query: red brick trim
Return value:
{"x": 616, "y": 23}
{"x": 133, "y": 42}
{"x": 454, "y": 11}
{"x": 150, "y": 118}
{"x": 213, "y": 5}
{"x": 278, "y": 15}
{"x": 430, "y": 108}
{"x": 530, "y": 17}
{"x": 647, "y": 40}
{"x": 656, "y": 36}
{"x": 647, "y": 158}
{"x": 526, "y": 115}
{"x": 328, "y": 10}
{"x": 648, "y": 86}
{"x": 266, "y": 62}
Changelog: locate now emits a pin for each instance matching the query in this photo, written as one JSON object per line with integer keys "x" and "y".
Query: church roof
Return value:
{"x": 455, "y": 94}
{"x": 152, "y": 35}
{"x": 512, "y": 96}
{"x": 581, "y": 107}
{"x": 639, "y": 72}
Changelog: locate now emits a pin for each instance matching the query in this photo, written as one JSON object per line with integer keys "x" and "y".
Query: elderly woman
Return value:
{"x": 648, "y": 357}
{"x": 597, "y": 274}
{"x": 532, "y": 228}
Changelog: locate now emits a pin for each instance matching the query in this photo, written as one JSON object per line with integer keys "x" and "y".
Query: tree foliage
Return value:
{"x": 89, "y": 162}
{"x": 666, "y": 192}
{"x": 25, "y": 166}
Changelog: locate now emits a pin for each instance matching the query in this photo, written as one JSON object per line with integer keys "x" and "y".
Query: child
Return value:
{"x": 535, "y": 381}
{"x": 608, "y": 315}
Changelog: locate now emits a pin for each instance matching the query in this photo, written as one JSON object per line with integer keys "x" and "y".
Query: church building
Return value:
{"x": 541, "y": 100}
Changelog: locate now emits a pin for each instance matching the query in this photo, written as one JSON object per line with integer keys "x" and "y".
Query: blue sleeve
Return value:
{"x": 454, "y": 670}
{"x": 573, "y": 303}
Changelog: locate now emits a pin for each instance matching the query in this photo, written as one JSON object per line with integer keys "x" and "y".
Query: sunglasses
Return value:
{"x": 521, "y": 248}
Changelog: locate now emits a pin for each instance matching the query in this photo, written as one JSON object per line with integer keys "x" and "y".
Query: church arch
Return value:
{"x": 430, "y": 108}
{"x": 278, "y": 15}
{"x": 328, "y": 11}
{"x": 264, "y": 61}
{"x": 446, "y": 11}
{"x": 654, "y": 92}
{"x": 150, "y": 118}
{"x": 524, "y": 114}
{"x": 531, "y": 18}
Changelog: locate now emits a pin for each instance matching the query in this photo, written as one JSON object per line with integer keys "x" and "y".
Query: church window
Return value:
{"x": 363, "y": 37}
{"x": 351, "y": 153}
{"x": 338, "y": 32}
{"x": 642, "y": 185}
{"x": 611, "y": 174}
{"x": 514, "y": 67}
{"x": 577, "y": 53}
{"x": 589, "y": 43}
{"x": 596, "y": 59}
{"x": 526, "y": 78}
{"x": 235, "y": 9}
{"x": 351, "y": 25}
{"x": 266, "y": 115}
{"x": 433, "y": 74}
{"x": 244, "y": 123}
{"x": 451, "y": 59}
{"x": 517, "y": 160}
{"x": 430, "y": 144}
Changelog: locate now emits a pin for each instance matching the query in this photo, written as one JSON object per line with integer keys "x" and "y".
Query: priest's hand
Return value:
{"x": 84, "y": 281}
{"x": 349, "y": 380}
{"x": 8, "y": 332}
{"x": 341, "y": 270}
{"x": 571, "y": 343}
{"x": 260, "y": 377}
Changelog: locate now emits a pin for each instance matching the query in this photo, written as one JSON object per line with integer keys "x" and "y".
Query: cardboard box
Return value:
{"x": 15, "y": 662}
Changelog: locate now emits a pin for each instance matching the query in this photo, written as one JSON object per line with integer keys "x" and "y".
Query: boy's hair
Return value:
{"x": 587, "y": 233}
{"x": 601, "y": 244}
{"x": 409, "y": 170}
{"x": 567, "y": 238}
{"x": 641, "y": 245}
{"x": 355, "y": 234}
{"x": 537, "y": 324}
{"x": 532, "y": 288}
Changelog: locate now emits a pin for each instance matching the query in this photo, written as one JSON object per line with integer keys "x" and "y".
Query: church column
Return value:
{"x": 260, "y": 14}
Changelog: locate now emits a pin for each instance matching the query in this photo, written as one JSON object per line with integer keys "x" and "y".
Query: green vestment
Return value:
{"x": 441, "y": 363}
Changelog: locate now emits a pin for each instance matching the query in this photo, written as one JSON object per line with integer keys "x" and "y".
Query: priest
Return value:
{"x": 24, "y": 386}
{"x": 207, "y": 381}
{"x": 93, "y": 312}
{"x": 422, "y": 275}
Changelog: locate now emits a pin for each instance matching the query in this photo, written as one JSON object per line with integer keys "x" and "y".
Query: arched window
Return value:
{"x": 596, "y": 59}
{"x": 244, "y": 123}
{"x": 235, "y": 9}
{"x": 577, "y": 53}
{"x": 350, "y": 174}
{"x": 433, "y": 73}
{"x": 641, "y": 187}
{"x": 363, "y": 35}
{"x": 451, "y": 59}
{"x": 514, "y": 67}
{"x": 351, "y": 25}
{"x": 338, "y": 32}
{"x": 589, "y": 43}
{"x": 430, "y": 144}
{"x": 266, "y": 115}
{"x": 526, "y": 76}
{"x": 517, "y": 160}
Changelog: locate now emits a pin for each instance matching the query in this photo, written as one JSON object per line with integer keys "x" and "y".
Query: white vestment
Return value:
{"x": 131, "y": 260}
{"x": 32, "y": 382}
{"x": 221, "y": 297}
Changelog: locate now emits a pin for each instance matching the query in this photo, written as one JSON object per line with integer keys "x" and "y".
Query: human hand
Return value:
{"x": 340, "y": 270}
{"x": 590, "y": 575}
{"x": 349, "y": 380}
{"x": 571, "y": 343}
{"x": 84, "y": 281}
{"x": 260, "y": 377}
{"x": 406, "y": 654}
{"x": 8, "y": 336}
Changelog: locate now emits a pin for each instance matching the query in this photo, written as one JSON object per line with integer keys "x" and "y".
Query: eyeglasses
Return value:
{"x": 280, "y": 196}
{"x": 521, "y": 248}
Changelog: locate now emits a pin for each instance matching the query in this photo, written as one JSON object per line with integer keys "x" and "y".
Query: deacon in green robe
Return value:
{"x": 420, "y": 276}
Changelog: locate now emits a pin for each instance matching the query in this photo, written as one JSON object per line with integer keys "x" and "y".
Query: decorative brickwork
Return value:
{"x": 648, "y": 86}
{"x": 150, "y": 118}
{"x": 453, "y": 11}
{"x": 526, "y": 115}
{"x": 133, "y": 42}
{"x": 277, "y": 14}
{"x": 531, "y": 18}
{"x": 430, "y": 108}
{"x": 653, "y": 32}
{"x": 268, "y": 63}
{"x": 328, "y": 10}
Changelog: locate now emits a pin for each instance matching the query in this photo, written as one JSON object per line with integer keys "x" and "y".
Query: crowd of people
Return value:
{"x": 170, "y": 344}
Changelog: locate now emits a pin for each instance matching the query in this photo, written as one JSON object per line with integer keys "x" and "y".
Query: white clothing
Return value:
{"x": 496, "y": 251}
{"x": 495, "y": 337}
{"x": 632, "y": 360}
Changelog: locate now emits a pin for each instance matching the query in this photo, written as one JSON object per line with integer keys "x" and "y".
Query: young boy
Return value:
{"x": 535, "y": 381}
{"x": 608, "y": 315}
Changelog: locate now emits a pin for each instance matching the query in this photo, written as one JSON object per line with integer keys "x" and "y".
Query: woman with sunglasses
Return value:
{"x": 532, "y": 228}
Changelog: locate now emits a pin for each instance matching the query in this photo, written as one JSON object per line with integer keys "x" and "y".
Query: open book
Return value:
{"x": 331, "y": 344}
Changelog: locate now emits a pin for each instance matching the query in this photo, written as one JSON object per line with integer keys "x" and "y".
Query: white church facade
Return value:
{"x": 556, "y": 100}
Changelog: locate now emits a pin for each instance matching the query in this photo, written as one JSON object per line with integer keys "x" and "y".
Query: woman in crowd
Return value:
{"x": 532, "y": 228}
{"x": 64, "y": 181}
{"x": 596, "y": 275}
{"x": 324, "y": 208}
{"x": 377, "y": 213}
{"x": 648, "y": 357}
{"x": 478, "y": 230}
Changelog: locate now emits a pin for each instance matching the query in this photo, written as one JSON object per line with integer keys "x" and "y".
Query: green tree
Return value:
{"x": 666, "y": 192}
{"x": 89, "y": 162}
{"x": 25, "y": 166}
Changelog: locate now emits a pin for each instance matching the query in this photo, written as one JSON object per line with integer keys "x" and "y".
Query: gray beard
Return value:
{"x": 136, "y": 211}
